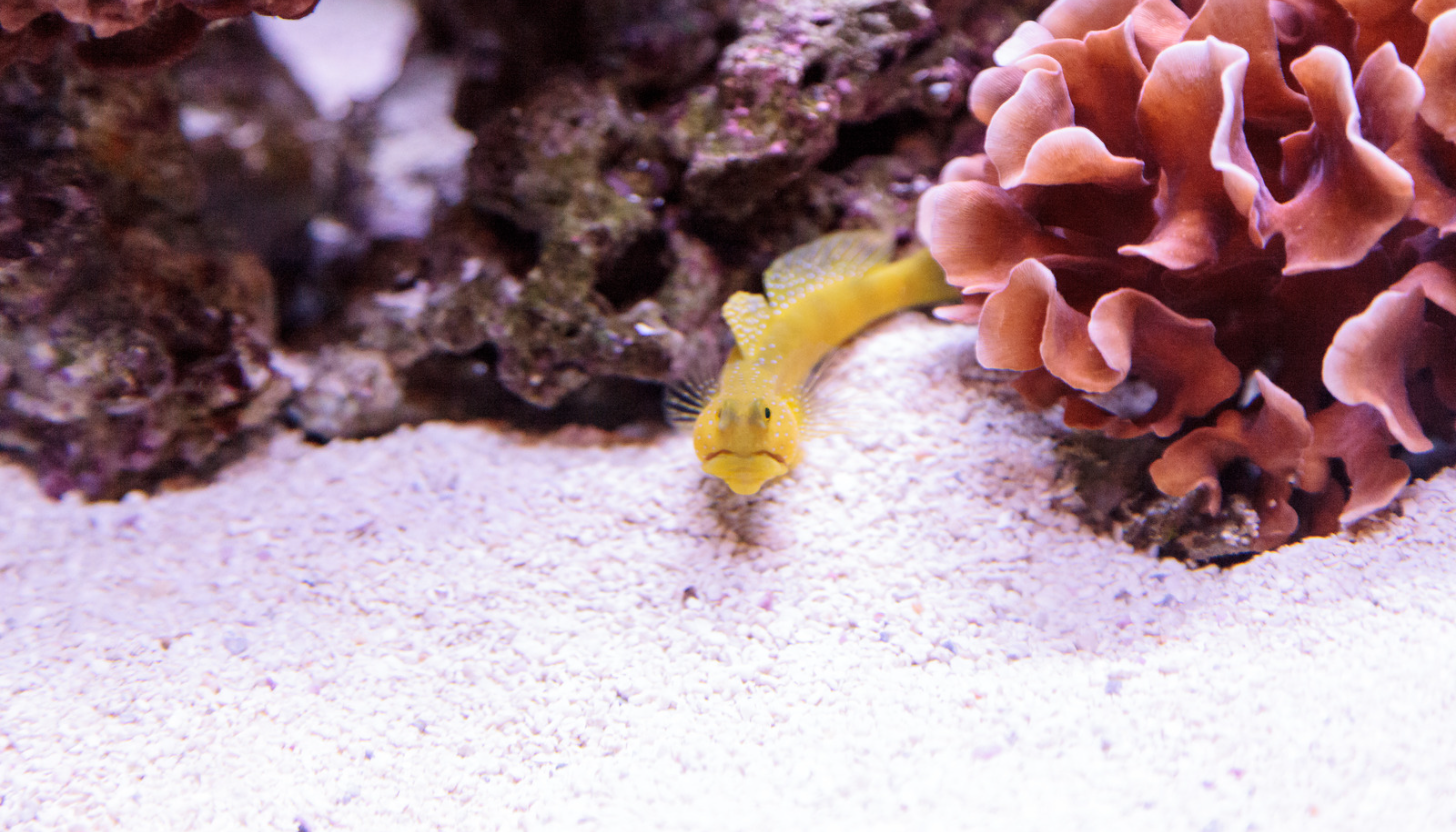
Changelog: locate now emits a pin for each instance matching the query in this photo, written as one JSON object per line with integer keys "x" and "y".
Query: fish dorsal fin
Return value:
{"x": 832, "y": 258}
{"x": 747, "y": 315}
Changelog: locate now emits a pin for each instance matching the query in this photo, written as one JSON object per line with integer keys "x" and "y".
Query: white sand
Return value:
{"x": 453, "y": 627}
{"x": 343, "y": 52}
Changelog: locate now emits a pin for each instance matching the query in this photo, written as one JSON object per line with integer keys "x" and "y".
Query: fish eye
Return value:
{"x": 766, "y": 414}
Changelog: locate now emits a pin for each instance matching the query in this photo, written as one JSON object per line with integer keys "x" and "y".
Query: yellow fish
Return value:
{"x": 748, "y": 428}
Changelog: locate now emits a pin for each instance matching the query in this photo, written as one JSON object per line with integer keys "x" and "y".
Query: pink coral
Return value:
{"x": 111, "y": 17}
{"x": 122, "y": 33}
{"x": 1251, "y": 198}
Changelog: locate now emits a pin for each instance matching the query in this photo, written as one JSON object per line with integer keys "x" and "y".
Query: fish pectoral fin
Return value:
{"x": 745, "y": 474}
{"x": 747, "y": 316}
{"x": 685, "y": 399}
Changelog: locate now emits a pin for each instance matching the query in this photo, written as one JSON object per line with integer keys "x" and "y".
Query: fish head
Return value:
{"x": 747, "y": 441}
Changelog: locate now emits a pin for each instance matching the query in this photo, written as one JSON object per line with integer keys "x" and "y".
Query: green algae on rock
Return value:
{"x": 128, "y": 346}
{"x": 122, "y": 34}
{"x": 634, "y": 164}
{"x": 645, "y": 218}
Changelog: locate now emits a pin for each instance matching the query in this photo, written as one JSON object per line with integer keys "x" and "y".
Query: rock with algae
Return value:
{"x": 129, "y": 348}
{"x": 634, "y": 163}
{"x": 591, "y": 182}
{"x": 636, "y": 187}
{"x": 112, "y": 17}
{"x": 273, "y": 172}
{"x": 800, "y": 71}
{"x": 122, "y": 34}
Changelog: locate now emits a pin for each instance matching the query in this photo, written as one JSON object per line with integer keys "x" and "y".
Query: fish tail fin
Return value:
{"x": 919, "y": 280}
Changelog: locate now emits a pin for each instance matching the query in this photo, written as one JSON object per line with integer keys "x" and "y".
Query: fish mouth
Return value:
{"x": 745, "y": 473}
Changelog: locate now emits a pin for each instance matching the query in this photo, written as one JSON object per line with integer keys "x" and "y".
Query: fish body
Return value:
{"x": 749, "y": 427}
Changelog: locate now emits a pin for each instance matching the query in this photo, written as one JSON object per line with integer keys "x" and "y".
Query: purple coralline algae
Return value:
{"x": 188, "y": 250}
{"x": 641, "y": 198}
{"x": 122, "y": 34}
{"x": 128, "y": 346}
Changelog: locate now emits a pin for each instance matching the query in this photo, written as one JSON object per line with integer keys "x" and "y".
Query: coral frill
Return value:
{"x": 1254, "y": 198}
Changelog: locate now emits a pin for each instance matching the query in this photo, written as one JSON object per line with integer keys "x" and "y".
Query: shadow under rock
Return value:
{"x": 462, "y": 389}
